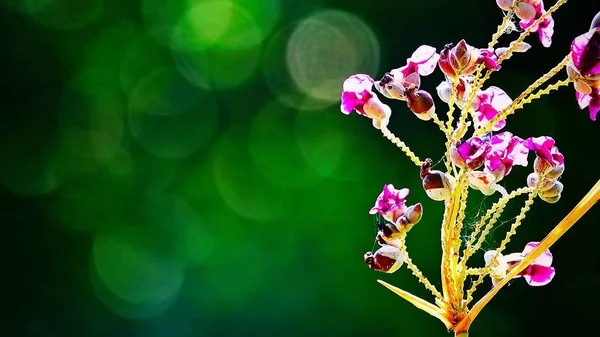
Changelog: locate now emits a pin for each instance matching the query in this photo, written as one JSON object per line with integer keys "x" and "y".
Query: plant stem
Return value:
{"x": 578, "y": 211}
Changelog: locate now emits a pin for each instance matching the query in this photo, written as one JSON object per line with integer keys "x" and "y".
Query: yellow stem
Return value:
{"x": 445, "y": 266}
{"x": 456, "y": 240}
{"x": 507, "y": 18}
{"x": 527, "y": 31}
{"x": 578, "y": 211}
{"x": 478, "y": 84}
{"x": 476, "y": 271}
{"x": 420, "y": 303}
{"x": 439, "y": 123}
{"x": 492, "y": 214}
{"x": 526, "y": 97}
{"x": 453, "y": 95}
{"x": 449, "y": 274}
{"x": 411, "y": 155}
{"x": 509, "y": 234}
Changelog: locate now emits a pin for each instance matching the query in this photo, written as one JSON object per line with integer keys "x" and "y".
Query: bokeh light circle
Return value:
{"x": 142, "y": 56}
{"x": 326, "y": 48}
{"x": 322, "y": 139}
{"x": 277, "y": 75}
{"x": 274, "y": 150}
{"x": 241, "y": 186}
{"x": 130, "y": 262}
{"x": 205, "y": 24}
{"x": 169, "y": 117}
{"x": 217, "y": 68}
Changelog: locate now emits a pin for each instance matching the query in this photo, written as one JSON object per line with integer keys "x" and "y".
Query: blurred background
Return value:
{"x": 181, "y": 168}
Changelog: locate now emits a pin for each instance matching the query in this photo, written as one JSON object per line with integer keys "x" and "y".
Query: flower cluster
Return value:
{"x": 479, "y": 155}
{"x": 399, "y": 219}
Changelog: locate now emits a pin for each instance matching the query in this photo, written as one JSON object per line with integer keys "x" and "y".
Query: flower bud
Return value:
{"x": 388, "y": 231}
{"x": 460, "y": 60}
{"x": 547, "y": 183}
{"x": 595, "y": 21}
{"x": 438, "y": 185}
{"x": 542, "y": 166}
{"x": 410, "y": 218}
{"x": 444, "y": 91}
{"x": 556, "y": 171}
{"x": 505, "y": 5}
{"x": 421, "y": 104}
{"x": 414, "y": 213}
{"x": 525, "y": 11}
{"x": 390, "y": 88}
{"x": 386, "y": 259}
{"x": 555, "y": 190}
{"x": 550, "y": 200}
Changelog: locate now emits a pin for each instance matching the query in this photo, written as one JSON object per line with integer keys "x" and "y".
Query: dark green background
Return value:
{"x": 180, "y": 184}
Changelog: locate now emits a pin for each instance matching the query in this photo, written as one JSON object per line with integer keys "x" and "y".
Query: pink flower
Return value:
{"x": 488, "y": 103}
{"x": 506, "y": 151}
{"x": 545, "y": 149}
{"x": 489, "y": 58}
{"x": 391, "y": 203}
{"x": 505, "y": 4}
{"x": 540, "y": 272}
{"x": 469, "y": 154}
{"x": 591, "y": 101}
{"x": 357, "y": 95}
{"x": 531, "y": 10}
{"x": 422, "y": 61}
{"x": 398, "y": 83}
{"x": 585, "y": 53}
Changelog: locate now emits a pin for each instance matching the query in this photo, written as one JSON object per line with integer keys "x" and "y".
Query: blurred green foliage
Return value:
{"x": 181, "y": 168}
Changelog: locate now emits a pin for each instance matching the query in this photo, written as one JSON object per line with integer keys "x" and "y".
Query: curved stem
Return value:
{"x": 411, "y": 155}
{"x": 526, "y": 96}
{"x": 578, "y": 211}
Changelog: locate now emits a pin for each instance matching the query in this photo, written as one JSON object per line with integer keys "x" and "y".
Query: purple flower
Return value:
{"x": 531, "y": 10}
{"x": 545, "y": 149}
{"x": 357, "y": 92}
{"x": 540, "y": 272}
{"x": 400, "y": 82}
{"x": 506, "y": 151}
{"x": 591, "y": 101}
{"x": 488, "y": 103}
{"x": 391, "y": 203}
{"x": 422, "y": 61}
{"x": 357, "y": 95}
{"x": 469, "y": 154}
{"x": 585, "y": 53}
{"x": 488, "y": 58}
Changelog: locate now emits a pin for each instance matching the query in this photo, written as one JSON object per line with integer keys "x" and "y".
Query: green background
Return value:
{"x": 181, "y": 168}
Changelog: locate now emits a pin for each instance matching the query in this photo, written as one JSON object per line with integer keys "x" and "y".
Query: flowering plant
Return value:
{"x": 478, "y": 156}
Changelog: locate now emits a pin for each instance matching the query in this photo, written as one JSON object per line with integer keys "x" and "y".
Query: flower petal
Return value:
{"x": 545, "y": 259}
{"x": 426, "y": 59}
{"x": 358, "y": 83}
{"x": 538, "y": 275}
